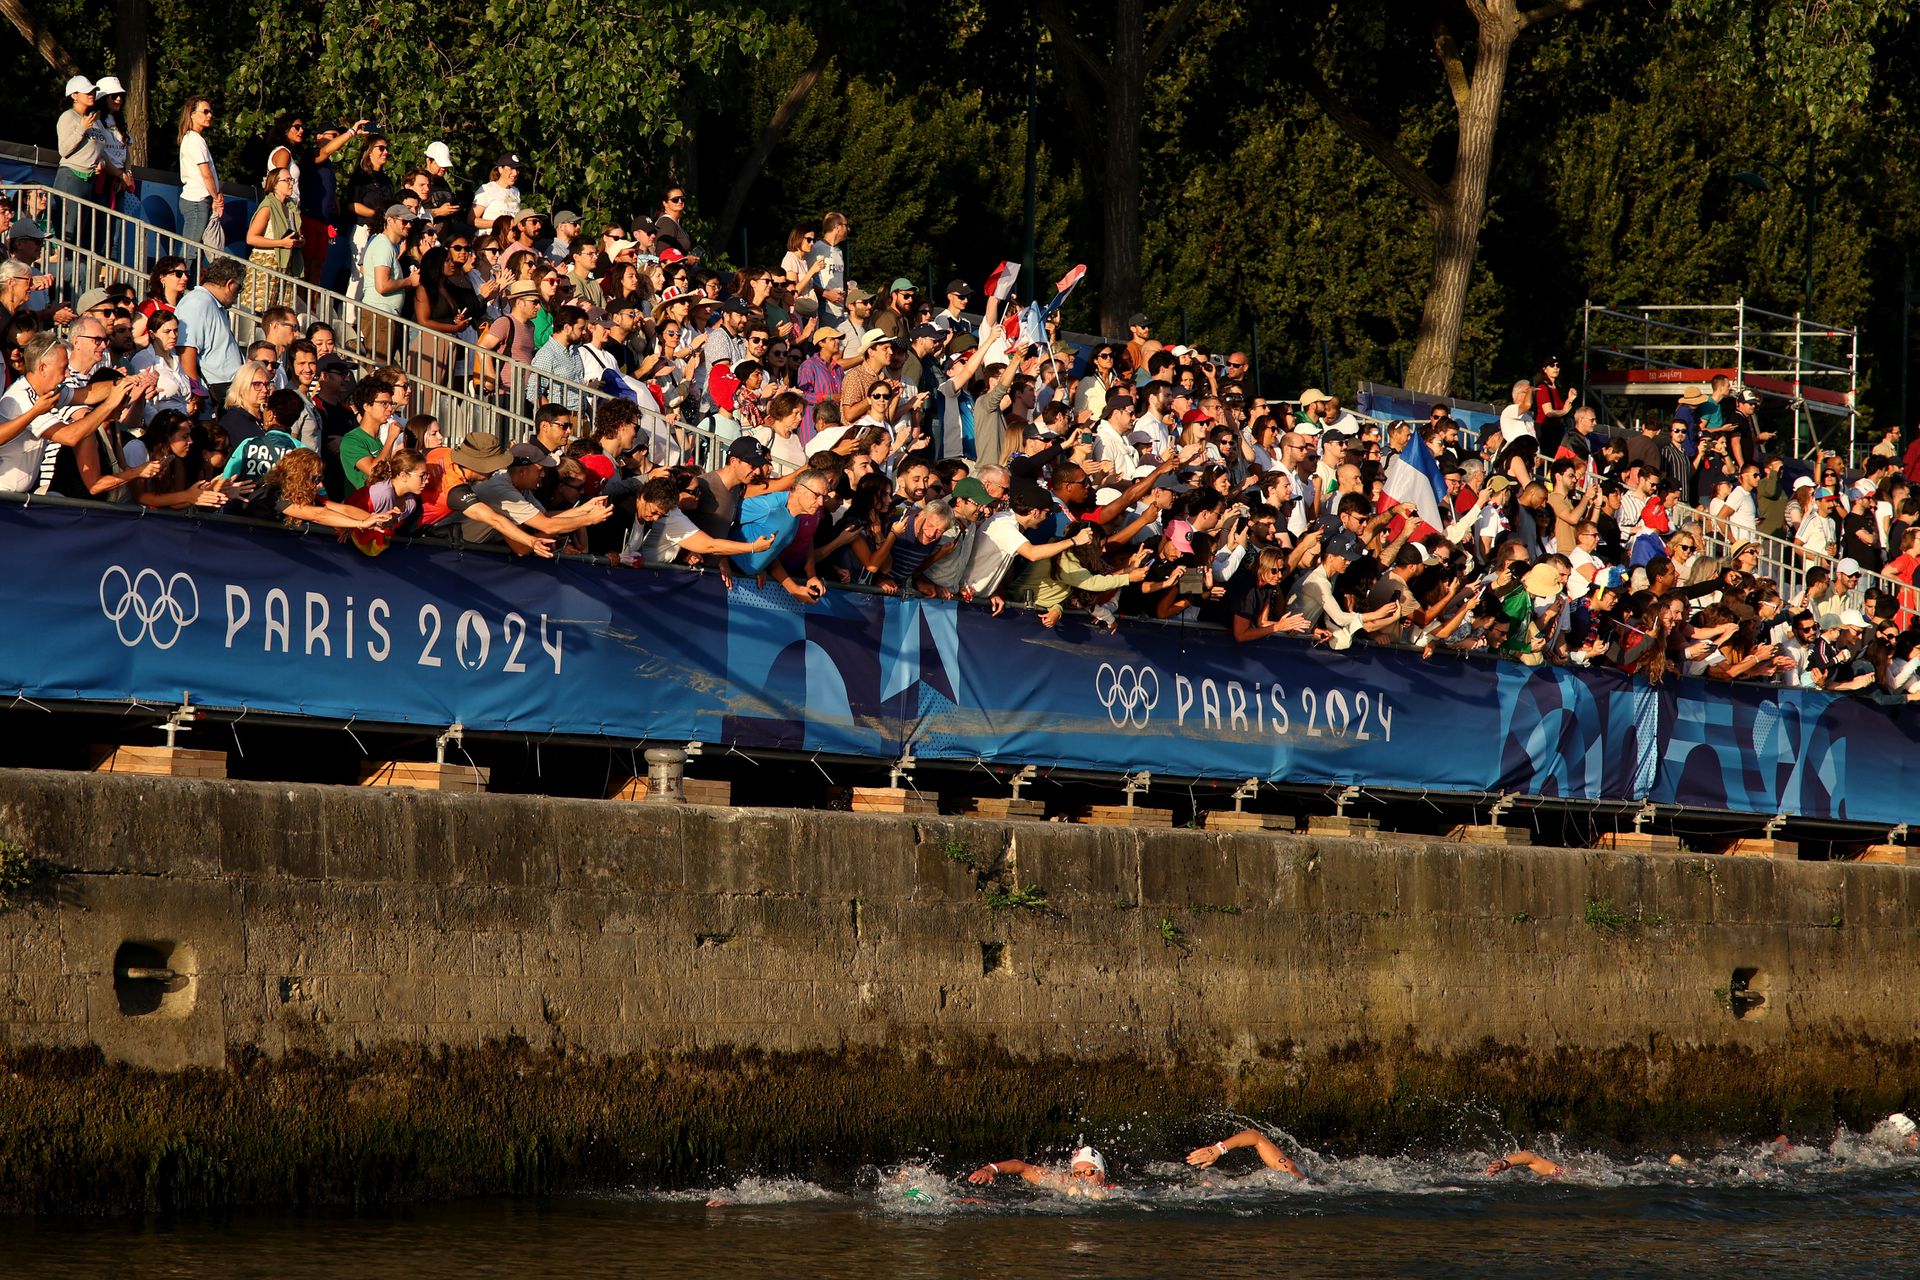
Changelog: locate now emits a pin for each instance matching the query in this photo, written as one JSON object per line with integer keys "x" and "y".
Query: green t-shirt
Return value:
{"x": 355, "y": 445}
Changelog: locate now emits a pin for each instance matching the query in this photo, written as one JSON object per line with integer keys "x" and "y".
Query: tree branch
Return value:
{"x": 1170, "y": 29}
{"x": 776, "y": 129}
{"x": 1405, "y": 171}
{"x": 1054, "y": 14}
{"x": 44, "y": 41}
{"x": 1448, "y": 52}
{"x": 1553, "y": 9}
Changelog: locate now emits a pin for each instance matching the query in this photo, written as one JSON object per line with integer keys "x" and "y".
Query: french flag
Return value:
{"x": 1065, "y": 287}
{"x": 1000, "y": 283}
{"x": 1413, "y": 477}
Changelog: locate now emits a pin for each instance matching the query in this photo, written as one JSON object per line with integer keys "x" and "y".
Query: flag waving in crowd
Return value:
{"x": 1000, "y": 282}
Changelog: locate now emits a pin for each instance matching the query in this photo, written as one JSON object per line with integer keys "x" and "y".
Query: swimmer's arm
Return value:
{"x": 1270, "y": 1155}
{"x": 1033, "y": 1173}
{"x": 1536, "y": 1164}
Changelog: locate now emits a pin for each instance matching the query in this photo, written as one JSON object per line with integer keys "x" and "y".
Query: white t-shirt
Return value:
{"x": 995, "y": 547}
{"x": 788, "y": 454}
{"x": 171, "y": 391}
{"x": 292, "y": 167}
{"x": 660, "y": 541}
{"x": 194, "y": 152}
{"x": 1109, "y": 448}
{"x": 1815, "y": 534}
{"x": 1743, "y": 520}
{"x": 20, "y": 456}
{"x": 493, "y": 193}
{"x": 1514, "y": 424}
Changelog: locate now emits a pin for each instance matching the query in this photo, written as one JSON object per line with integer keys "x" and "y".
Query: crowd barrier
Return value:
{"x": 111, "y": 605}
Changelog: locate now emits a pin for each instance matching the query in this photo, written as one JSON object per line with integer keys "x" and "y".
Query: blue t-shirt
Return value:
{"x": 758, "y": 517}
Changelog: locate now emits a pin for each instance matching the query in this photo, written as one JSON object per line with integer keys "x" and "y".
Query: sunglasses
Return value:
{"x": 677, "y": 200}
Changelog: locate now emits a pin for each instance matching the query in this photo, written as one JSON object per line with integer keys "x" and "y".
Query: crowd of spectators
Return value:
{"x": 873, "y": 437}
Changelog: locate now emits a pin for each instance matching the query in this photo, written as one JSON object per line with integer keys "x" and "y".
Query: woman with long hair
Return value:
{"x": 445, "y": 305}
{"x": 174, "y": 390}
{"x": 393, "y": 486}
{"x": 200, "y": 198}
{"x": 178, "y": 444}
{"x": 311, "y": 168}
{"x": 165, "y": 287}
{"x": 114, "y": 183}
{"x": 370, "y": 192}
{"x": 292, "y": 491}
{"x": 273, "y": 238}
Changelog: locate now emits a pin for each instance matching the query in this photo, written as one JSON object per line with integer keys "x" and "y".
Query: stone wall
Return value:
{"x": 917, "y": 979}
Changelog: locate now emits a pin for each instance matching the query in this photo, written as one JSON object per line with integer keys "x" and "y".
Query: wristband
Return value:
{"x": 1220, "y": 1148}
{"x": 994, "y": 1167}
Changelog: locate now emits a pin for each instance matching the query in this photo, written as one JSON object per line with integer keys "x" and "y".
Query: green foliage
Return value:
{"x": 1172, "y": 935}
{"x": 1023, "y": 898}
{"x": 595, "y": 98}
{"x": 20, "y": 874}
{"x": 1604, "y": 916}
{"x": 1820, "y": 57}
{"x": 1520, "y": 917}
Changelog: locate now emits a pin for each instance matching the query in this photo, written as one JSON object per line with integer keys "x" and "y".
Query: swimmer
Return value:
{"x": 1537, "y": 1164}
{"x": 1896, "y": 1133}
{"x": 1086, "y": 1175}
{"x": 1273, "y": 1157}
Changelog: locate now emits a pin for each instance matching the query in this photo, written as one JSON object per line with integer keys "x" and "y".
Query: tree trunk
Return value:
{"x": 769, "y": 139}
{"x": 39, "y": 37}
{"x": 1120, "y": 198}
{"x": 1457, "y": 222}
{"x": 131, "y": 61}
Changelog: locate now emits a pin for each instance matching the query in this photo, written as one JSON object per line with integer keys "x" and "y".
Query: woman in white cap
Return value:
{"x": 1086, "y": 1175}
{"x": 114, "y": 181}
{"x": 79, "y": 150}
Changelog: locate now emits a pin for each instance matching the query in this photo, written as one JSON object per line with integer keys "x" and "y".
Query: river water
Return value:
{"x": 1848, "y": 1208}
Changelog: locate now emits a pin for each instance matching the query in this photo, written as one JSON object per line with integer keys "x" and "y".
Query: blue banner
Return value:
{"x": 106, "y": 604}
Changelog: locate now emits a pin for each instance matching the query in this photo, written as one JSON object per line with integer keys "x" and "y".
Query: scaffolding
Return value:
{"x": 1811, "y": 367}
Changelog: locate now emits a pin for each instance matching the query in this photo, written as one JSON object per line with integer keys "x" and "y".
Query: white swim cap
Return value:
{"x": 1087, "y": 1155}
{"x": 1902, "y": 1124}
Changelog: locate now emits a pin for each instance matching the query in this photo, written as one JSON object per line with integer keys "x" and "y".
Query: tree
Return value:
{"x": 1476, "y": 79}
{"x": 594, "y": 97}
{"x": 1119, "y": 78}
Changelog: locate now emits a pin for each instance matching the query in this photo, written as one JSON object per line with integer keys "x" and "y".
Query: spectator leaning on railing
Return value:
{"x": 887, "y": 442}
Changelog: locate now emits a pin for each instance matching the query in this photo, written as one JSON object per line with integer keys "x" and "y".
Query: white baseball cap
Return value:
{"x": 1849, "y": 566}
{"x": 438, "y": 153}
{"x": 1804, "y": 482}
{"x": 108, "y": 86}
{"x": 79, "y": 84}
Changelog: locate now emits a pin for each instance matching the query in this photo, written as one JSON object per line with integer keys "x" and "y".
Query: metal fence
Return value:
{"x": 1786, "y": 561}
{"x": 90, "y": 245}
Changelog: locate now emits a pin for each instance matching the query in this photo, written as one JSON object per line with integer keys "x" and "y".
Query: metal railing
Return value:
{"x": 1787, "y": 562}
{"x": 90, "y": 245}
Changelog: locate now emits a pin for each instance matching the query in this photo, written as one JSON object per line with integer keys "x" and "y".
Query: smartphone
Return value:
{"x": 1088, "y": 437}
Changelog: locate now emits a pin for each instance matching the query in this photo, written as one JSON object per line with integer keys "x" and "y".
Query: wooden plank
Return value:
{"x": 1329, "y": 825}
{"x": 713, "y": 791}
{"x": 1761, "y": 847}
{"x": 1006, "y": 807}
{"x": 1491, "y": 833}
{"x": 425, "y": 776}
{"x": 1891, "y": 854}
{"x": 160, "y": 762}
{"x": 894, "y": 800}
{"x": 1241, "y": 820}
{"x": 1120, "y": 815}
{"x": 1638, "y": 842}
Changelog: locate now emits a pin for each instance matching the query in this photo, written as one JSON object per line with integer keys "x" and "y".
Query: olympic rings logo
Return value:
{"x": 145, "y": 606}
{"x": 1129, "y": 693}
